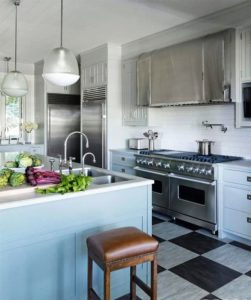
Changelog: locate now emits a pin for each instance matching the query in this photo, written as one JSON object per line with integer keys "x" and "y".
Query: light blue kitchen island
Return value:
{"x": 43, "y": 253}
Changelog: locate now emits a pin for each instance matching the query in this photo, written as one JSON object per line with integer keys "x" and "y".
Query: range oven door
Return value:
{"x": 160, "y": 188}
{"x": 193, "y": 197}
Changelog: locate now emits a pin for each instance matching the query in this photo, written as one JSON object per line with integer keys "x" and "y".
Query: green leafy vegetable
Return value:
{"x": 3, "y": 181}
{"x": 17, "y": 179}
{"x": 69, "y": 183}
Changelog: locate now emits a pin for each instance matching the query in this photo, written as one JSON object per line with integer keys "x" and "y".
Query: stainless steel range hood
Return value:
{"x": 194, "y": 72}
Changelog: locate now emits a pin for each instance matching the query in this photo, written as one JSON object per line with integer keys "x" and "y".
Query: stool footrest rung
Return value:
{"x": 93, "y": 294}
{"x": 142, "y": 285}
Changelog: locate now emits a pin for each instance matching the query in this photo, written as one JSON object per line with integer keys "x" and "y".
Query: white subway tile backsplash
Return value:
{"x": 180, "y": 127}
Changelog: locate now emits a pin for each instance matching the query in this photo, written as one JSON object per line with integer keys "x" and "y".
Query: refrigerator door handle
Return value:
{"x": 103, "y": 135}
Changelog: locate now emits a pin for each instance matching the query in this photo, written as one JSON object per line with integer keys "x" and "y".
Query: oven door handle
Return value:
{"x": 150, "y": 171}
{"x": 171, "y": 175}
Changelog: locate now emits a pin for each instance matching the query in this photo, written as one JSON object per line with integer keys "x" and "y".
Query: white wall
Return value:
{"x": 180, "y": 127}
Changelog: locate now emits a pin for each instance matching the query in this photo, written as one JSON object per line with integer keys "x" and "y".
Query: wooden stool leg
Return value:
{"x": 90, "y": 269}
{"x": 154, "y": 279}
{"x": 107, "y": 276}
{"x": 133, "y": 283}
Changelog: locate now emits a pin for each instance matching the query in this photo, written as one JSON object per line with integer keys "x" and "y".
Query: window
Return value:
{"x": 11, "y": 114}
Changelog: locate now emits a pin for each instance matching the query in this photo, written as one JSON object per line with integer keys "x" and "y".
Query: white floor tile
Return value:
{"x": 169, "y": 231}
{"x": 238, "y": 289}
{"x": 171, "y": 255}
{"x": 232, "y": 257}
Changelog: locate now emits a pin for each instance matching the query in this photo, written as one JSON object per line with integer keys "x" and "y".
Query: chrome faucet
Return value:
{"x": 66, "y": 142}
{"x": 83, "y": 161}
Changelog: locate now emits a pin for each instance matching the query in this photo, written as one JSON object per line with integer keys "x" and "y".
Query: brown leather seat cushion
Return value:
{"x": 121, "y": 243}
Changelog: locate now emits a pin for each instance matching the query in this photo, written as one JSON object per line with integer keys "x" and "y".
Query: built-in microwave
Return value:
{"x": 246, "y": 99}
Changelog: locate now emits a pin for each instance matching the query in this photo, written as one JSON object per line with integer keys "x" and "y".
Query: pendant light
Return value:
{"x": 61, "y": 66}
{"x": 14, "y": 83}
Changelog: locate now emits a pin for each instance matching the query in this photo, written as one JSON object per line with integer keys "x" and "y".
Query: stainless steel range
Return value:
{"x": 185, "y": 184}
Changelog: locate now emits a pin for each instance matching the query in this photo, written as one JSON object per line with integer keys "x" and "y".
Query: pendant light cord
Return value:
{"x": 16, "y": 4}
{"x": 61, "y": 31}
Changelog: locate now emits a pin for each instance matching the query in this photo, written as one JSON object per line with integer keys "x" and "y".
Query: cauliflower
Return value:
{"x": 10, "y": 164}
{"x": 3, "y": 181}
{"x": 17, "y": 179}
{"x": 20, "y": 156}
{"x": 6, "y": 172}
{"x": 25, "y": 162}
{"x": 36, "y": 162}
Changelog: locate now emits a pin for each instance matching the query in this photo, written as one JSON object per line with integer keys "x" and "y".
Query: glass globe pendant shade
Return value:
{"x": 15, "y": 84}
{"x": 61, "y": 67}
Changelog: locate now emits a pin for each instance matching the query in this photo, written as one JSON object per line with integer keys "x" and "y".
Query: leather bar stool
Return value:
{"x": 121, "y": 248}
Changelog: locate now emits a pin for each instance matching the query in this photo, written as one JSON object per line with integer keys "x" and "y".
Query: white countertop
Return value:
{"x": 23, "y": 196}
{"x": 238, "y": 164}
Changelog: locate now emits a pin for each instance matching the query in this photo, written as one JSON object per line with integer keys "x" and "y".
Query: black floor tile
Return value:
{"x": 127, "y": 297}
{"x": 160, "y": 240}
{"x": 196, "y": 242}
{"x": 161, "y": 269}
{"x": 156, "y": 220}
{"x": 205, "y": 273}
{"x": 185, "y": 224}
{"x": 210, "y": 297}
{"x": 240, "y": 245}
{"x": 248, "y": 273}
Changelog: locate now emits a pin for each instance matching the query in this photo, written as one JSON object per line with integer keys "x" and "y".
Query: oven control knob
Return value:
{"x": 181, "y": 167}
{"x": 138, "y": 161}
{"x": 143, "y": 162}
{"x": 158, "y": 164}
{"x": 209, "y": 172}
{"x": 150, "y": 163}
{"x": 189, "y": 169}
{"x": 202, "y": 171}
{"x": 196, "y": 170}
{"x": 166, "y": 166}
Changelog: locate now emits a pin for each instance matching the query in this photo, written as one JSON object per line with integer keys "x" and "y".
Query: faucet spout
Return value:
{"x": 83, "y": 160}
{"x": 66, "y": 142}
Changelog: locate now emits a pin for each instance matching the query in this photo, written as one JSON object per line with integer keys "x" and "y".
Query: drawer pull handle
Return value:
{"x": 248, "y": 219}
{"x": 249, "y": 179}
{"x": 248, "y": 196}
{"x": 123, "y": 158}
{"x": 123, "y": 170}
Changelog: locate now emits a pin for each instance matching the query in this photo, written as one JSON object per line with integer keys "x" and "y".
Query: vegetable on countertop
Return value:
{"x": 3, "y": 181}
{"x": 37, "y": 176}
{"x": 11, "y": 164}
{"x": 6, "y": 172}
{"x": 17, "y": 179}
{"x": 69, "y": 183}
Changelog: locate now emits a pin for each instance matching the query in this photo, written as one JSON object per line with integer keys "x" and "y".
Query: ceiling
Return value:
{"x": 90, "y": 23}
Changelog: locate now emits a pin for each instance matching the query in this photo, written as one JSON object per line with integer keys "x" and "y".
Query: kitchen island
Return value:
{"x": 43, "y": 251}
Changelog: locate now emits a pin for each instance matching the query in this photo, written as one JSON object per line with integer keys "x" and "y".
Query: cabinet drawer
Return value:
{"x": 125, "y": 160}
{"x": 239, "y": 199}
{"x": 123, "y": 169}
{"x": 237, "y": 177}
{"x": 237, "y": 221}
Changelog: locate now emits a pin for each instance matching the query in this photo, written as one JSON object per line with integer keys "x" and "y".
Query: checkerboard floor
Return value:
{"x": 195, "y": 265}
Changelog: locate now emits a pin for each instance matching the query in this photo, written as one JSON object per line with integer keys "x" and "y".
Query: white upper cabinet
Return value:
{"x": 246, "y": 55}
{"x": 133, "y": 115}
{"x": 94, "y": 74}
{"x": 94, "y": 67}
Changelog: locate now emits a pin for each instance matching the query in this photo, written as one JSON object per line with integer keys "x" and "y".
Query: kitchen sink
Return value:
{"x": 107, "y": 179}
{"x": 87, "y": 172}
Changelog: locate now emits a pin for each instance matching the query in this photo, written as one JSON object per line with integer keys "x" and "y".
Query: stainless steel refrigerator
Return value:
{"x": 63, "y": 118}
{"x": 93, "y": 124}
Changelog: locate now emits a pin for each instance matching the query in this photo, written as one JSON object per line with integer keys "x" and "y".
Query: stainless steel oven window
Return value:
{"x": 190, "y": 194}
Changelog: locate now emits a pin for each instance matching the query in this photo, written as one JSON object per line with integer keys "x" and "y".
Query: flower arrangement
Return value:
{"x": 29, "y": 126}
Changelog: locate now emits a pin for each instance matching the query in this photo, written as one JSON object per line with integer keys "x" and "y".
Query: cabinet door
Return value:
{"x": 133, "y": 114}
{"x": 94, "y": 75}
{"x": 144, "y": 80}
{"x": 176, "y": 74}
{"x": 246, "y": 55}
{"x": 214, "y": 67}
